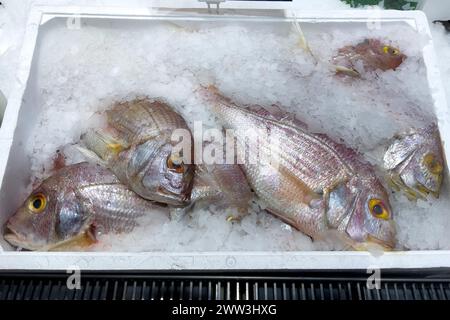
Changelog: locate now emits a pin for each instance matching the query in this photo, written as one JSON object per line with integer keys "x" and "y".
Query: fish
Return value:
{"x": 368, "y": 55}
{"x": 308, "y": 180}
{"x": 72, "y": 207}
{"x": 415, "y": 163}
{"x": 137, "y": 146}
{"x": 352, "y": 60}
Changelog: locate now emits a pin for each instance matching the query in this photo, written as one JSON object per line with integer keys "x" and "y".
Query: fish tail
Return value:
{"x": 103, "y": 144}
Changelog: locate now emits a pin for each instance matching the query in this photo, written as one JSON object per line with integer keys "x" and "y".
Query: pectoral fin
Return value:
{"x": 347, "y": 71}
{"x": 82, "y": 241}
{"x": 105, "y": 144}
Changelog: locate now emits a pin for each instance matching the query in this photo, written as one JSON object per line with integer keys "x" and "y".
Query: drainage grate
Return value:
{"x": 302, "y": 285}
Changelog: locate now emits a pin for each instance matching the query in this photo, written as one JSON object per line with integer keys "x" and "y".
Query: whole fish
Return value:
{"x": 415, "y": 162}
{"x": 72, "y": 207}
{"x": 306, "y": 179}
{"x": 368, "y": 55}
{"x": 137, "y": 146}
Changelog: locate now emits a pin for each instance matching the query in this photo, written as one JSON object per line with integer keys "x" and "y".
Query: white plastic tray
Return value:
{"x": 14, "y": 171}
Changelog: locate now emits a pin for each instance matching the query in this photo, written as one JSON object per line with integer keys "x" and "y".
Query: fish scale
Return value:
{"x": 107, "y": 202}
{"x": 301, "y": 148}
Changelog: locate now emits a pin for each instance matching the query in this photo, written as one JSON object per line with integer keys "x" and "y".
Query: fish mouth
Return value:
{"x": 386, "y": 246}
{"x": 373, "y": 244}
{"x": 17, "y": 240}
{"x": 13, "y": 238}
{"x": 370, "y": 244}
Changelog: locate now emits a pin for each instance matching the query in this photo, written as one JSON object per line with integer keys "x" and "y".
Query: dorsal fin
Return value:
{"x": 276, "y": 113}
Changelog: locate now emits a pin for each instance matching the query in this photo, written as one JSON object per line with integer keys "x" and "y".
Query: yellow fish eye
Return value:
{"x": 391, "y": 50}
{"x": 37, "y": 203}
{"x": 432, "y": 164}
{"x": 378, "y": 209}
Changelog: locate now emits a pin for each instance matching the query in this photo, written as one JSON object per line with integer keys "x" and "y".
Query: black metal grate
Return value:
{"x": 243, "y": 286}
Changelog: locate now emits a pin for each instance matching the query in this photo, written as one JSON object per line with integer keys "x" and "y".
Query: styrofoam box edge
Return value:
{"x": 215, "y": 260}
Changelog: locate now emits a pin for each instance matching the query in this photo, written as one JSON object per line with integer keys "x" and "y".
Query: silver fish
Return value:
{"x": 415, "y": 162}
{"x": 314, "y": 184}
{"x": 72, "y": 207}
{"x": 138, "y": 148}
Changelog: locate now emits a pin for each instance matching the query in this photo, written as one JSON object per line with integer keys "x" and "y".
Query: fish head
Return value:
{"x": 169, "y": 177}
{"x": 415, "y": 163}
{"x": 47, "y": 218}
{"x": 379, "y": 55}
{"x": 390, "y": 58}
{"x": 361, "y": 212}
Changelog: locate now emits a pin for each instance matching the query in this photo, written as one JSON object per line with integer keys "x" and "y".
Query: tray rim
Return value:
{"x": 242, "y": 260}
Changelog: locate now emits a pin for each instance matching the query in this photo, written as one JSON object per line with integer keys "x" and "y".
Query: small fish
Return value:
{"x": 314, "y": 184}
{"x": 368, "y": 55}
{"x": 72, "y": 207}
{"x": 372, "y": 54}
{"x": 137, "y": 146}
{"x": 415, "y": 163}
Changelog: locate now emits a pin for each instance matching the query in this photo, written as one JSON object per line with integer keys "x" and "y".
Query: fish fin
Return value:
{"x": 81, "y": 241}
{"x": 303, "y": 43}
{"x": 105, "y": 144}
{"x": 276, "y": 113}
{"x": 347, "y": 71}
{"x": 305, "y": 193}
{"x": 91, "y": 155}
{"x": 298, "y": 225}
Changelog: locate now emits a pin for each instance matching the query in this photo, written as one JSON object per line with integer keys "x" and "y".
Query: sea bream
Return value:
{"x": 137, "y": 146}
{"x": 71, "y": 208}
{"x": 354, "y": 60}
{"x": 308, "y": 180}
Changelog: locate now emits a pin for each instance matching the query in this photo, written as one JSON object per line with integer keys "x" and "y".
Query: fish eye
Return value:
{"x": 175, "y": 163}
{"x": 378, "y": 209}
{"x": 37, "y": 203}
{"x": 432, "y": 164}
{"x": 391, "y": 50}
